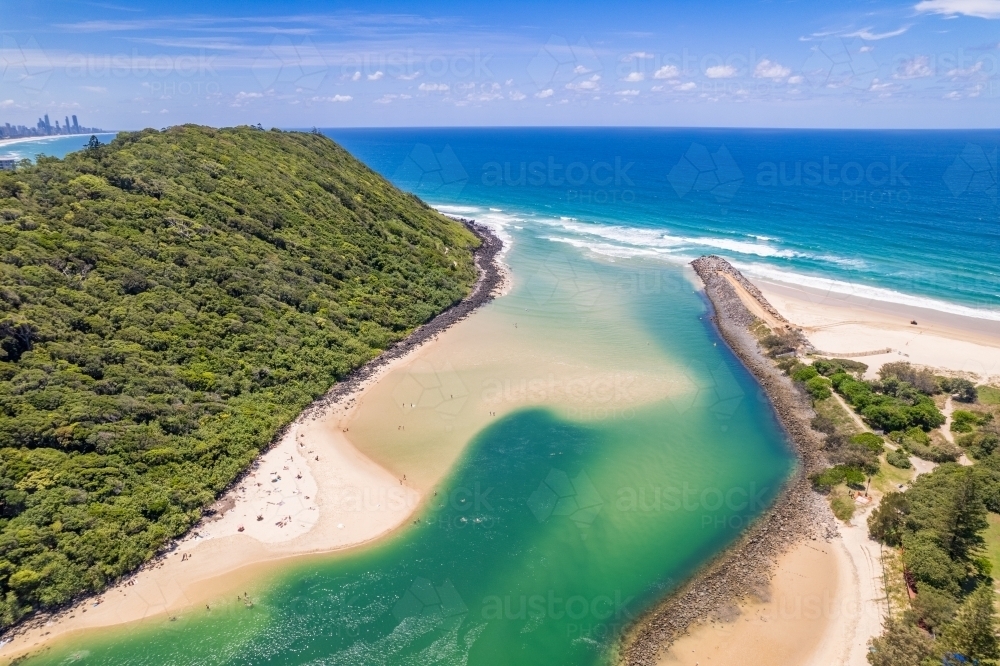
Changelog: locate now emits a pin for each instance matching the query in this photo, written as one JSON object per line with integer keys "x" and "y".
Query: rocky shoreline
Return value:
{"x": 797, "y": 513}
{"x": 490, "y": 282}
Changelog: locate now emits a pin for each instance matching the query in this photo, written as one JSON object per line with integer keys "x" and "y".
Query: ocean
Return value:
{"x": 905, "y": 217}
{"x": 562, "y": 521}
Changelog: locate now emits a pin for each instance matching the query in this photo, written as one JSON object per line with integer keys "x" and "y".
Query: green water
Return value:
{"x": 550, "y": 535}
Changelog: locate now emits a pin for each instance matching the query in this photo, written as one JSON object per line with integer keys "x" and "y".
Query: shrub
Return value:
{"x": 898, "y": 458}
{"x": 960, "y": 389}
{"x": 886, "y": 522}
{"x": 869, "y": 440}
{"x": 819, "y": 388}
{"x": 804, "y": 373}
{"x": 964, "y": 421}
{"x": 923, "y": 380}
{"x": 836, "y": 475}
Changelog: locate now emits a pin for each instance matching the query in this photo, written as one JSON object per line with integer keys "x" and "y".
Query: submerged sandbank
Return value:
{"x": 311, "y": 492}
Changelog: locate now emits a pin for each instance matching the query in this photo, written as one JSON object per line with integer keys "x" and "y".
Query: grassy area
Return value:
{"x": 992, "y": 545}
{"x": 895, "y": 583}
{"x": 841, "y": 503}
{"x": 833, "y": 410}
{"x": 889, "y": 478}
{"x": 989, "y": 395}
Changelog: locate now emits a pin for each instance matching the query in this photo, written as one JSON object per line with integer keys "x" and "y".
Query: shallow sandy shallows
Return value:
{"x": 824, "y": 602}
{"x": 359, "y": 470}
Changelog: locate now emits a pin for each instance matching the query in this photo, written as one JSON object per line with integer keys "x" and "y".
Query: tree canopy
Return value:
{"x": 168, "y": 301}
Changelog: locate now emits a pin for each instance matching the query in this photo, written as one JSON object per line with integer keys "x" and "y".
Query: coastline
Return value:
{"x": 797, "y": 513}
{"x": 307, "y": 493}
{"x": 850, "y": 606}
{"x": 25, "y": 139}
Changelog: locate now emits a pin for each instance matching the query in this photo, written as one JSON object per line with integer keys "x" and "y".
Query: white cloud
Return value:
{"x": 721, "y": 72}
{"x": 6, "y": 103}
{"x": 796, "y": 80}
{"x": 580, "y": 69}
{"x": 916, "y": 68}
{"x": 356, "y": 77}
{"x": 627, "y": 93}
{"x": 987, "y": 9}
{"x": 545, "y": 93}
{"x": 389, "y": 97}
{"x": 637, "y": 55}
{"x": 657, "y": 88}
{"x": 634, "y": 77}
{"x": 433, "y": 87}
{"x": 690, "y": 85}
{"x": 587, "y": 85}
{"x": 767, "y": 69}
{"x": 164, "y": 111}
{"x": 242, "y": 98}
{"x": 954, "y": 94}
{"x": 509, "y": 82}
{"x": 335, "y": 98}
{"x": 408, "y": 77}
{"x": 868, "y": 35}
{"x": 376, "y": 76}
{"x": 517, "y": 95}
{"x": 965, "y": 73}
{"x": 667, "y": 72}
{"x": 94, "y": 89}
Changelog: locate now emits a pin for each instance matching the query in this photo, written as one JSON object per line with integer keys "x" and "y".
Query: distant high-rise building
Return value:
{"x": 48, "y": 125}
{"x": 76, "y": 126}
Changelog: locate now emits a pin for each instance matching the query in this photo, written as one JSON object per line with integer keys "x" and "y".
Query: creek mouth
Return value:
{"x": 798, "y": 513}
{"x": 563, "y": 518}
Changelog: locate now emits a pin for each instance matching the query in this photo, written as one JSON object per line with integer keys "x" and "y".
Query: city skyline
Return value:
{"x": 905, "y": 64}
{"x": 44, "y": 127}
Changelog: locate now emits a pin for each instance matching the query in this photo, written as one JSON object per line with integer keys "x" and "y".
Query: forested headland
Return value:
{"x": 168, "y": 301}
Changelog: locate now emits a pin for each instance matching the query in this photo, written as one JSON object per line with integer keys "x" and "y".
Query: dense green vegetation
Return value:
{"x": 898, "y": 402}
{"x": 167, "y": 302}
{"x": 939, "y": 523}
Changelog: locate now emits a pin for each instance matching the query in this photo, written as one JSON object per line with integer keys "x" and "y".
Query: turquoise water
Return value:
{"x": 52, "y": 146}
{"x": 550, "y": 535}
{"x": 903, "y": 216}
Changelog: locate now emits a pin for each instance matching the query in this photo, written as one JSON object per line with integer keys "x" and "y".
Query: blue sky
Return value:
{"x": 920, "y": 63}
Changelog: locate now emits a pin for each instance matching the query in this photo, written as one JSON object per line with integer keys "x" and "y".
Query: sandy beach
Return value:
{"x": 312, "y": 492}
{"x": 354, "y": 470}
{"x": 825, "y": 600}
{"x": 839, "y": 325}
